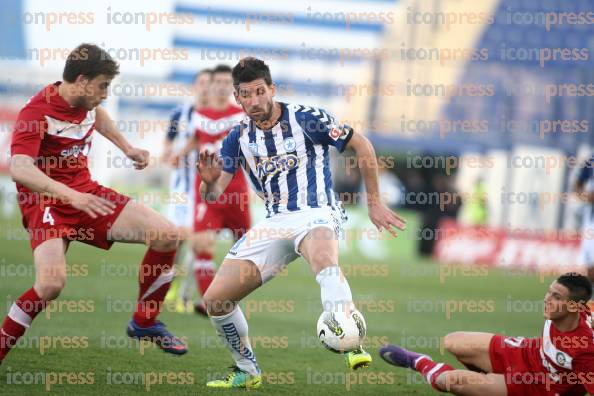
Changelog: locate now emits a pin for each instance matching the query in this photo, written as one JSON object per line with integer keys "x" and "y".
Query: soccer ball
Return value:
{"x": 340, "y": 332}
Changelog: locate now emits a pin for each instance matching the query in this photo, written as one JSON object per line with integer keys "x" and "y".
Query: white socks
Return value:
{"x": 336, "y": 292}
{"x": 233, "y": 330}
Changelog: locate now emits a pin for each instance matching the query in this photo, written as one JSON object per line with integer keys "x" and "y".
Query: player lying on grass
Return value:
{"x": 283, "y": 149}
{"x": 60, "y": 202}
{"x": 560, "y": 363}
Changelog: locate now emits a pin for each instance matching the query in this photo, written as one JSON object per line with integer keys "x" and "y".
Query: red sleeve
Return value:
{"x": 583, "y": 366}
{"x": 28, "y": 132}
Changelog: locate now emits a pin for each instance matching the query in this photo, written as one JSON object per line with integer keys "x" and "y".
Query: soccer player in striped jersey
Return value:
{"x": 561, "y": 362}
{"x": 182, "y": 186}
{"x": 211, "y": 125}
{"x": 284, "y": 151}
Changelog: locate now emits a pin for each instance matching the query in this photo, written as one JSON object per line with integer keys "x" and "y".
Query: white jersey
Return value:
{"x": 288, "y": 165}
{"x": 183, "y": 178}
{"x": 181, "y": 130}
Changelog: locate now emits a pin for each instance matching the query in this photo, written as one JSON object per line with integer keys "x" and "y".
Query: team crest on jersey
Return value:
{"x": 290, "y": 144}
{"x": 253, "y": 148}
{"x": 561, "y": 360}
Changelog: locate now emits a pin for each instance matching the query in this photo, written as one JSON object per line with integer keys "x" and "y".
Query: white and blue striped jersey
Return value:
{"x": 181, "y": 129}
{"x": 288, "y": 165}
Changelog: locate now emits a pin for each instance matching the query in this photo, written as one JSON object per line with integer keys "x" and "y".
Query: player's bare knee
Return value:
{"x": 202, "y": 248}
{"x": 50, "y": 289}
{"x": 166, "y": 239}
{"x": 453, "y": 342}
{"x": 216, "y": 306}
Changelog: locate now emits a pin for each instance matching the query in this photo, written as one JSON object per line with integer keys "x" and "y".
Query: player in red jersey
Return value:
{"x": 560, "y": 363}
{"x": 231, "y": 211}
{"x": 60, "y": 202}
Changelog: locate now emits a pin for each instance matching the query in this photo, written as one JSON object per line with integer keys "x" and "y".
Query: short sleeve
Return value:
{"x": 29, "y": 130}
{"x": 322, "y": 128}
{"x": 231, "y": 151}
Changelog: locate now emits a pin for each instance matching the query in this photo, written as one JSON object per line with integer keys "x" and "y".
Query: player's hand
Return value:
{"x": 92, "y": 205}
{"x": 384, "y": 218}
{"x": 139, "y": 156}
{"x": 209, "y": 166}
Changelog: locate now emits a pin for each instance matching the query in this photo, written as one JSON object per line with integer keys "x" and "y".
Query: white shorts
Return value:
{"x": 181, "y": 213}
{"x": 274, "y": 242}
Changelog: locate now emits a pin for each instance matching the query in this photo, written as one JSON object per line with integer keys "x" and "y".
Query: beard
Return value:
{"x": 266, "y": 114}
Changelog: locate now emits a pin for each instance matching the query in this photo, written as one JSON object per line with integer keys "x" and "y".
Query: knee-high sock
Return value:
{"x": 155, "y": 276}
{"x": 19, "y": 318}
{"x": 204, "y": 271}
{"x": 335, "y": 290}
{"x": 233, "y": 330}
{"x": 431, "y": 370}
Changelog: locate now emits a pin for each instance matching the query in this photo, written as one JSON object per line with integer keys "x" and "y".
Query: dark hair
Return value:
{"x": 90, "y": 61}
{"x": 222, "y": 69}
{"x": 250, "y": 69}
{"x": 580, "y": 288}
{"x": 201, "y": 72}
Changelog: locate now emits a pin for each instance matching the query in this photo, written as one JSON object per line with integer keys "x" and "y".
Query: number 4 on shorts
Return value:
{"x": 47, "y": 217}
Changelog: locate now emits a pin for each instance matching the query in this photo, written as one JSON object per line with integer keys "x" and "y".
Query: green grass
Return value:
{"x": 403, "y": 299}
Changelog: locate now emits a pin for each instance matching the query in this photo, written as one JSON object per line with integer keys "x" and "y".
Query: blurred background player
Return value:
{"x": 284, "y": 150}
{"x": 561, "y": 362}
{"x": 50, "y": 144}
{"x": 584, "y": 187}
{"x": 231, "y": 211}
{"x": 182, "y": 188}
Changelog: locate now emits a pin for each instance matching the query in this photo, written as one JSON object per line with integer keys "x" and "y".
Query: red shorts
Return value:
{"x": 217, "y": 217}
{"x": 59, "y": 220}
{"x": 510, "y": 357}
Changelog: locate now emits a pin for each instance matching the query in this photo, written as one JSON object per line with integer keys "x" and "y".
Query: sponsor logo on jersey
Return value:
{"x": 269, "y": 166}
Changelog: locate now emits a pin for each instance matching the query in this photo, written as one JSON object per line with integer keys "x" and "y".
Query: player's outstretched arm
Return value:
{"x": 381, "y": 216}
{"x": 24, "y": 171}
{"x": 214, "y": 179}
{"x": 108, "y": 128}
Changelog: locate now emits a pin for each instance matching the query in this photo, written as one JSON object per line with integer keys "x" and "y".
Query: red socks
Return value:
{"x": 431, "y": 370}
{"x": 19, "y": 318}
{"x": 155, "y": 276}
{"x": 204, "y": 271}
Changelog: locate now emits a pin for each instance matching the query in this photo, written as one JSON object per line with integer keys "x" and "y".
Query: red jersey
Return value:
{"x": 567, "y": 358}
{"x": 58, "y": 137}
{"x": 211, "y": 127}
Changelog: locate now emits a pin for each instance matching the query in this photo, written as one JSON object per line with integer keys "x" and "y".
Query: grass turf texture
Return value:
{"x": 405, "y": 300}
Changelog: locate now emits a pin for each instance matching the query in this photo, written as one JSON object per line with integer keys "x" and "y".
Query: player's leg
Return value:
{"x": 470, "y": 383}
{"x": 140, "y": 224}
{"x": 471, "y": 349}
{"x": 319, "y": 248}
{"x": 444, "y": 377}
{"x": 50, "y": 276}
{"x": 204, "y": 243}
{"x": 176, "y": 290}
{"x": 234, "y": 280}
